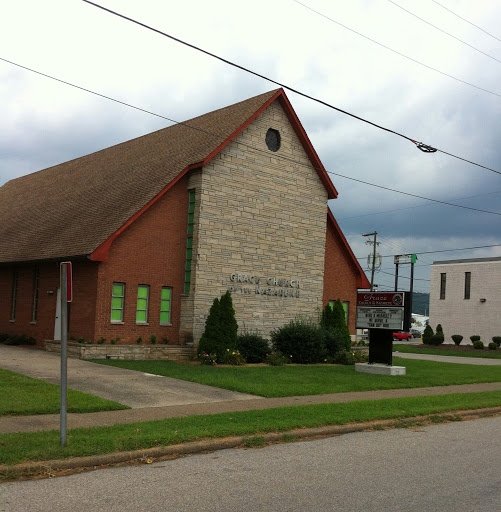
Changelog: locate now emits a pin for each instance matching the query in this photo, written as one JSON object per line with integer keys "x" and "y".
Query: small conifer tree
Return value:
{"x": 427, "y": 334}
{"x": 221, "y": 329}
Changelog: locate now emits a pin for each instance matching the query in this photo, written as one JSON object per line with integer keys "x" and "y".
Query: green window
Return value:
{"x": 143, "y": 292}
{"x": 346, "y": 307}
{"x": 165, "y": 305}
{"x": 189, "y": 241}
{"x": 331, "y": 304}
{"x": 117, "y": 302}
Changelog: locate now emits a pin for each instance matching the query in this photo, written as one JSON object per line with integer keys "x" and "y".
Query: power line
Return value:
{"x": 404, "y": 277}
{"x": 467, "y": 21}
{"x": 392, "y": 50}
{"x": 443, "y": 250}
{"x": 251, "y": 147}
{"x": 413, "y": 195}
{"x": 443, "y": 31}
{"x": 420, "y": 145}
{"x": 415, "y": 206}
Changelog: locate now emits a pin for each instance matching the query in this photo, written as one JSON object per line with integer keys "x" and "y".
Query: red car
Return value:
{"x": 402, "y": 336}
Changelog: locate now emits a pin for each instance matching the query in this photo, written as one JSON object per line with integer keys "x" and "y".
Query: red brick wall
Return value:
{"x": 340, "y": 274}
{"x": 81, "y": 318}
{"x": 152, "y": 252}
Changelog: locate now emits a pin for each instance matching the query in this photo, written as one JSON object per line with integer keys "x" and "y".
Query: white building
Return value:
{"x": 465, "y": 297}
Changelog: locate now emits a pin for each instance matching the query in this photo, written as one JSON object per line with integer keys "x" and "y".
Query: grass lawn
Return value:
{"x": 292, "y": 380}
{"x": 25, "y": 395}
{"x": 413, "y": 349}
{"x": 37, "y": 446}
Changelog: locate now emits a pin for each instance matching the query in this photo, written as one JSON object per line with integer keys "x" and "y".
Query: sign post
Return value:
{"x": 66, "y": 296}
{"x": 381, "y": 313}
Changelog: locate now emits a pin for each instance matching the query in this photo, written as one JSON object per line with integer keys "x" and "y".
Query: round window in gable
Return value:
{"x": 273, "y": 139}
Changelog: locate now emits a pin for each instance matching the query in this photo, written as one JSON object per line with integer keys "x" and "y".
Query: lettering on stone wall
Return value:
{"x": 257, "y": 285}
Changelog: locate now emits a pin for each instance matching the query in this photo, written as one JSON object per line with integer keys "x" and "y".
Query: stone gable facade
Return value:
{"x": 261, "y": 229}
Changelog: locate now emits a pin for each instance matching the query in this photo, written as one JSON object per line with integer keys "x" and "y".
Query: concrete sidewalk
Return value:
{"x": 108, "y": 418}
{"x": 128, "y": 387}
{"x": 482, "y": 361}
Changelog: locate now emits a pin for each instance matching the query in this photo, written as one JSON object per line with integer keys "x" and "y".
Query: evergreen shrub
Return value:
{"x": 21, "y": 339}
{"x": 253, "y": 347}
{"x": 427, "y": 334}
{"x": 492, "y": 346}
{"x": 301, "y": 340}
{"x": 221, "y": 329}
{"x": 474, "y": 338}
{"x": 437, "y": 339}
{"x": 457, "y": 339}
{"x": 497, "y": 340}
{"x": 478, "y": 345}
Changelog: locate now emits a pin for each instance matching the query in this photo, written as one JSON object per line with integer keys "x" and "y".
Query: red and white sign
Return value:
{"x": 381, "y": 299}
{"x": 66, "y": 267}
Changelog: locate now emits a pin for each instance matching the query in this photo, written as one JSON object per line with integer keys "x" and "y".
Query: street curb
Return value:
{"x": 49, "y": 468}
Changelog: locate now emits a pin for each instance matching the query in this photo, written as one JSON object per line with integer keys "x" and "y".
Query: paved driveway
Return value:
{"x": 135, "y": 389}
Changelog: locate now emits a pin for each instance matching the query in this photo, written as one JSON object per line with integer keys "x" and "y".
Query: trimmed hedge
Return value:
{"x": 253, "y": 347}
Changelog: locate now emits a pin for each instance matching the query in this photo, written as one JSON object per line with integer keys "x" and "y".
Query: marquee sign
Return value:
{"x": 380, "y": 310}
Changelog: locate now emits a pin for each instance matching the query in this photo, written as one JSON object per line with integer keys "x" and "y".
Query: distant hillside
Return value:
{"x": 421, "y": 303}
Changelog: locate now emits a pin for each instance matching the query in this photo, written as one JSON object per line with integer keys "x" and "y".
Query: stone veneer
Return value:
{"x": 262, "y": 216}
{"x": 106, "y": 351}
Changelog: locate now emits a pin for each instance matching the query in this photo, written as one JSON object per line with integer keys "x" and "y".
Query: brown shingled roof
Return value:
{"x": 72, "y": 208}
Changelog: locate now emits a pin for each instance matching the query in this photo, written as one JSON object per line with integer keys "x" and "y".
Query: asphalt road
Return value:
{"x": 446, "y": 468}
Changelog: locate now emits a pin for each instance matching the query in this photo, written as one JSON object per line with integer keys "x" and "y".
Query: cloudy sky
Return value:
{"x": 45, "y": 122}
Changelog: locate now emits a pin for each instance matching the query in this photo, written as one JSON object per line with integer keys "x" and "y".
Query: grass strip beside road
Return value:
{"x": 414, "y": 349}
{"x": 44, "y": 446}
{"x": 302, "y": 380}
{"x": 26, "y": 395}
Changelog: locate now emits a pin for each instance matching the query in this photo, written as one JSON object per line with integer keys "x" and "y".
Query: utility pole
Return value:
{"x": 373, "y": 264}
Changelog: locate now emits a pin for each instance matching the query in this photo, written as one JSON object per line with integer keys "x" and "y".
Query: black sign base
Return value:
{"x": 380, "y": 346}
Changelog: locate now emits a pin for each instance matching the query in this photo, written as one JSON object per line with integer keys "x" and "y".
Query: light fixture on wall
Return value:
{"x": 483, "y": 300}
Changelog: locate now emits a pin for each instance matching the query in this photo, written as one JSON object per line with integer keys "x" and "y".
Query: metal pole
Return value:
{"x": 373, "y": 261}
{"x": 396, "y": 277}
{"x": 64, "y": 334}
{"x": 412, "y": 287}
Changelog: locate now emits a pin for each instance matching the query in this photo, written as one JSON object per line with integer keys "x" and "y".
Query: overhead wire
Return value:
{"x": 444, "y": 32}
{"x": 467, "y": 21}
{"x": 246, "y": 145}
{"x": 415, "y": 206}
{"x": 420, "y": 145}
{"x": 392, "y": 49}
{"x": 442, "y": 250}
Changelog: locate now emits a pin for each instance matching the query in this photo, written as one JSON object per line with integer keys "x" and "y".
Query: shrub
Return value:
{"x": 22, "y": 339}
{"x": 335, "y": 318}
{"x": 253, "y": 347}
{"x": 301, "y": 339}
{"x": 427, "y": 334}
{"x": 221, "y": 328}
{"x": 165, "y": 340}
{"x": 101, "y": 340}
{"x": 497, "y": 340}
{"x": 439, "y": 329}
{"x": 474, "y": 338}
{"x": 437, "y": 338}
{"x": 346, "y": 358}
{"x": 139, "y": 340}
{"x": 492, "y": 346}
{"x": 3, "y": 337}
{"x": 234, "y": 358}
{"x": 478, "y": 345}
{"x": 457, "y": 339}
{"x": 81, "y": 339}
{"x": 335, "y": 341}
{"x": 113, "y": 341}
{"x": 276, "y": 359}
{"x": 89, "y": 342}
{"x": 209, "y": 359}
{"x": 153, "y": 339}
